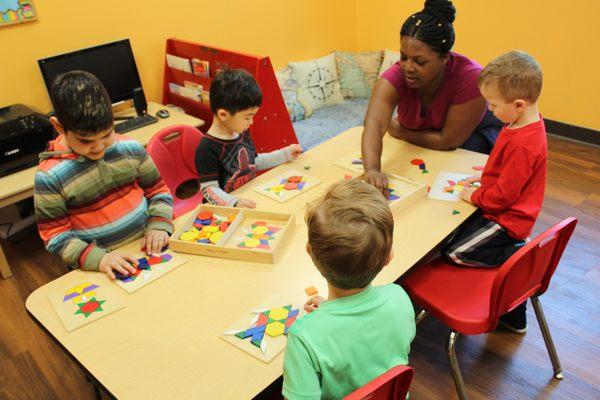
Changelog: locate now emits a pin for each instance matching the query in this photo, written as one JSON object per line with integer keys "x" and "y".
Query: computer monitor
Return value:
{"x": 112, "y": 63}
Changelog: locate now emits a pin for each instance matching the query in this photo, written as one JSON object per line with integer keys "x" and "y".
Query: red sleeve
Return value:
{"x": 514, "y": 174}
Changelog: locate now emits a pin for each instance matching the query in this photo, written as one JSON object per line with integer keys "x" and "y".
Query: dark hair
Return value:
{"x": 350, "y": 232}
{"x": 234, "y": 90}
{"x": 81, "y": 103}
{"x": 433, "y": 25}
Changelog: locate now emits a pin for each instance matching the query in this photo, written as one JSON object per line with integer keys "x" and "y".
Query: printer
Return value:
{"x": 24, "y": 133}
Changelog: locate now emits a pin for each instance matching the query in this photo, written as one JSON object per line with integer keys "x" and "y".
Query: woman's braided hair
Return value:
{"x": 433, "y": 25}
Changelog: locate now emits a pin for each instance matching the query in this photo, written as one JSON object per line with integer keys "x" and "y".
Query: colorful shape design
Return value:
{"x": 420, "y": 163}
{"x": 208, "y": 228}
{"x": 391, "y": 194}
{"x": 295, "y": 182}
{"x": 144, "y": 264}
{"x": 259, "y": 236}
{"x": 274, "y": 322}
{"x": 454, "y": 187}
{"x": 76, "y": 292}
{"x": 89, "y": 307}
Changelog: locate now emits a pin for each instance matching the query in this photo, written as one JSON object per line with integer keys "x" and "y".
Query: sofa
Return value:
{"x": 330, "y": 94}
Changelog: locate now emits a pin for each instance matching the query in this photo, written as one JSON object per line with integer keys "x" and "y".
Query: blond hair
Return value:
{"x": 516, "y": 74}
{"x": 350, "y": 231}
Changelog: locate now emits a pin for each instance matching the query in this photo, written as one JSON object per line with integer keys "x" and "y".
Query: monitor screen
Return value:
{"x": 112, "y": 63}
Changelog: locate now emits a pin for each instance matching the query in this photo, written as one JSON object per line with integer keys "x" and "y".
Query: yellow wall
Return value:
{"x": 283, "y": 30}
{"x": 562, "y": 35}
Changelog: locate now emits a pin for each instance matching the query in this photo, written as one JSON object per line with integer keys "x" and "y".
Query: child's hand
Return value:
{"x": 295, "y": 150}
{"x": 467, "y": 192}
{"x": 245, "y": 203}
{"x": 313, "y": 303}
{"x": 122, "y": 263}
{"x": 472, "y": 179}
{"x": 154, "y": 241}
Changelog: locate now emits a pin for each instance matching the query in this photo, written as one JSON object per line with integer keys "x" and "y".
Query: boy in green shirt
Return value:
{"x": 360, "y": 331}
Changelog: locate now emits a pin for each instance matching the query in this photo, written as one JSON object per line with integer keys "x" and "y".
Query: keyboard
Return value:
{"x": 135, "y": 123}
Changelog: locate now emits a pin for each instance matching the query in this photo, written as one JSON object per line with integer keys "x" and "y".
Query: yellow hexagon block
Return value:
{"x": 210, "y": 229}
{"x": 275, "y": 329}
{"x": 260, "y": 230}
{"x": 215, "y": 237}
{"x": 251, "y": 242}
{"x": 188, "y": 236}
{"x": 279, "y": 313}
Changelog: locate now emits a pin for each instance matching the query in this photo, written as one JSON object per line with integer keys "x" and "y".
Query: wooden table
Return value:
{"x": 166, "y": 344}
{"x": 19, "y": 186}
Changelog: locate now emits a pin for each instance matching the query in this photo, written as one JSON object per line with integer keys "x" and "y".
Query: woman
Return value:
{"x": 439, "y": 103}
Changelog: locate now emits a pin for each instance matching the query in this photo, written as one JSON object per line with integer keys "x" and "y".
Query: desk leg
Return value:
{"x": 4, "y": 267}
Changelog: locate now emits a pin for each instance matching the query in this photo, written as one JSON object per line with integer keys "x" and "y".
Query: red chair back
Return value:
{"x": 391, "y": 385}
{"x": 529, "y": 270}
{"x": 173, "y": 150}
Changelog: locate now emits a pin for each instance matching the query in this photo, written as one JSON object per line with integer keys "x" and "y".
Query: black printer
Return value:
{"x": 24, "y": 133}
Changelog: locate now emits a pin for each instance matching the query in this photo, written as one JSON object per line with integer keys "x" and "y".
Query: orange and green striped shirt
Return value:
{"x": 85, "y": 208}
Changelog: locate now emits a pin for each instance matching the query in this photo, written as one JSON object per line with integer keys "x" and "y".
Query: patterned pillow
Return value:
{"x": 358, "y": 72}
{"x": 389, "y": 58}
{"x": 293, "y": 95}
{"x": 319, "y": 80}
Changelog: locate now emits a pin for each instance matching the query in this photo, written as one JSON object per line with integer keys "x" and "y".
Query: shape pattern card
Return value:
{"x": 263, "y": 336}
{"x": 288, "y": 185}
{"x": 83, "y": 303}
{"x": 447, "y": 186}
{"x": 149, "y": 269}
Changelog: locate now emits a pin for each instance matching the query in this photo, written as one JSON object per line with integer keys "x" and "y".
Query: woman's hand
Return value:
{"x": 377, "y": 179}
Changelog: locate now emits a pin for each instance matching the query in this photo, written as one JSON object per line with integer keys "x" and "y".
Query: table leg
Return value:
{"x": 4, "y": 267}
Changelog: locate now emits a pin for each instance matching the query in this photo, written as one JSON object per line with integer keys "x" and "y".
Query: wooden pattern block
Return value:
{"x": 353, "y": 162}
{"x": 152, "y": 268}
{"x": 208, "y": 228}
{"x": 84, "y": 303}
{"x": 447, "y": 186}
{"x": 288, "y": 185}
{"x": 265, "y": 332}
{"x": 404, "y": 192}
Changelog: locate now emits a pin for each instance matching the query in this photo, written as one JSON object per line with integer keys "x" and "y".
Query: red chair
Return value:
{"x": 470, "y": 300}
{"x": 391, "y": 385}
{"x": 173, "y": 150}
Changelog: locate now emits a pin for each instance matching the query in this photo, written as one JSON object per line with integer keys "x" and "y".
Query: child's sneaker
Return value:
{"x": 515, "y": 320}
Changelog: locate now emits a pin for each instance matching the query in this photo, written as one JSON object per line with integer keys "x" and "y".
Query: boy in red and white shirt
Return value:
{"x": 512, "y": 183}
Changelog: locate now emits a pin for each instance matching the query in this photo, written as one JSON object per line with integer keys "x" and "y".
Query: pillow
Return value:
{"x": 319, "y": 80}
{"x": 389, "y": 58}
{"x": 358, "y": 72}
{"x": 293, "y": 95}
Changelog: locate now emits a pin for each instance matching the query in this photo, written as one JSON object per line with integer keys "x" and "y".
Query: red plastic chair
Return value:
{"x": 391, "y": 385}
{"x": 173, "y": 150}
{"x": 470, "y": 300}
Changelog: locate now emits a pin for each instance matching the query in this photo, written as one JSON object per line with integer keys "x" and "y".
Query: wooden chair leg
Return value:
{"x": 4, "y": 267}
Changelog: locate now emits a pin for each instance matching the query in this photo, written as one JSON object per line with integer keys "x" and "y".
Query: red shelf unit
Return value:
{"x": 272, "y": 128}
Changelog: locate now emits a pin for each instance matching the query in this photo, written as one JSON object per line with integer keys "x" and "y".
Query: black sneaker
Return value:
{"x": 515, "y": 320}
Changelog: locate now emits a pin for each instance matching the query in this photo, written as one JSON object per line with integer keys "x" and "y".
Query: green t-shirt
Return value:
{"x": 348, "y": 342}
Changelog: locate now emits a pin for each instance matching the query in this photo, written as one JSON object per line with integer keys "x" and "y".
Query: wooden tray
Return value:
{"x": 242, "y": 240}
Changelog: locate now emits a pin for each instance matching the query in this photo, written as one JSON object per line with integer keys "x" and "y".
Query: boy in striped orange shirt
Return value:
{"x": 95, "y": 190}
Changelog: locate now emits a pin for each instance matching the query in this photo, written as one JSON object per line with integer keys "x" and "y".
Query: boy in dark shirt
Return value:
{"x": 226, "y": 158}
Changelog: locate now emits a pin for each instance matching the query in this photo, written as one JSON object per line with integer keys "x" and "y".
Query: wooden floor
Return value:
{"x": 495, "y": 366}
